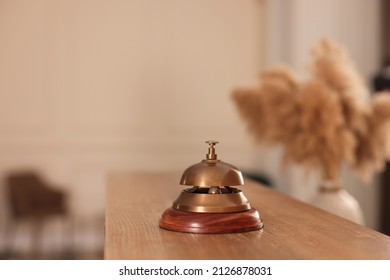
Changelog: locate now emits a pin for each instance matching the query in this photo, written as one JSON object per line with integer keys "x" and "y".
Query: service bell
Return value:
{"x": 212, "y": 203}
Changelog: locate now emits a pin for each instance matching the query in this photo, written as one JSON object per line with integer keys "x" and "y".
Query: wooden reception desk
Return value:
{"x": 292, "y": 229}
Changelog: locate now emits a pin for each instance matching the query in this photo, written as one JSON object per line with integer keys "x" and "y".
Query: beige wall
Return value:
{"x": 91, "y": 86}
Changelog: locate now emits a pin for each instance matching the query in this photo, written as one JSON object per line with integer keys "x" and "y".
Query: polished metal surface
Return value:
{"x": 211, "y": 183}
{"x": 211, "y": 153}
{"x": 212, "y": 172}
{"x": 202, "y": 201}
{"x": 215, "y": 190}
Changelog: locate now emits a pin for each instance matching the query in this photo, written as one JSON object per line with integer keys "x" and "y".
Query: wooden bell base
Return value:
{"x": 193, "y": 222}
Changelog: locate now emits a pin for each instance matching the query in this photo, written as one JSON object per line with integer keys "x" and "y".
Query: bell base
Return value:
{"x": 193, "y": 222}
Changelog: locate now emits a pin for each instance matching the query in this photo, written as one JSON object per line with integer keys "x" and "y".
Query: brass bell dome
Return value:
{"x": 212, "y": 191}
{"x": 212, "y": 172}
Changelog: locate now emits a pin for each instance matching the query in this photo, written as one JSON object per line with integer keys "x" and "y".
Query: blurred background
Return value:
{"x": 91, "y": 86}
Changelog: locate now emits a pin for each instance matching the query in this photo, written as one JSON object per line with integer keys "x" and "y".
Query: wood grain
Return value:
{"x": 191, "y": 222}
{"x": 292, "y": 229}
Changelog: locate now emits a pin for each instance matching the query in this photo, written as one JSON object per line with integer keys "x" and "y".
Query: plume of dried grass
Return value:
{"x": 322, "y": 122}
{"x": 264, "y": 112}
{"x": 373, "y": 148}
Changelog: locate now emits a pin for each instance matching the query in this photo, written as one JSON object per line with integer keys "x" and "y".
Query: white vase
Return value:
{"x": 332, "y": 198}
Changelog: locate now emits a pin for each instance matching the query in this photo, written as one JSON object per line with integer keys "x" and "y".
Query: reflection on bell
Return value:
{"x": 211, "y": 204}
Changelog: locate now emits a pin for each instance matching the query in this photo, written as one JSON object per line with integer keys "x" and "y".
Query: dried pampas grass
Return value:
{"x": 324, "y": 121}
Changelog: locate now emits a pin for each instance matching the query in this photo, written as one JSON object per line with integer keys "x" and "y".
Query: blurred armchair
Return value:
{"x": 34, "y": 200}
{"x": 31, "y": 197}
